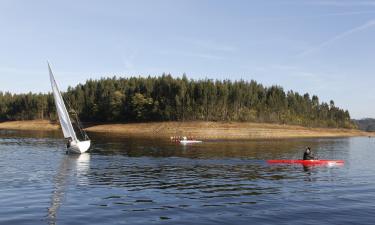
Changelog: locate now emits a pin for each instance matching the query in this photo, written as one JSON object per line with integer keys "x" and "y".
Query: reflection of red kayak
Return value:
{"x": 307, "y": 162}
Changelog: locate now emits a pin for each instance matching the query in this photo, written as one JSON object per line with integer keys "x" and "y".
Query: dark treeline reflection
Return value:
{"x": 166, "y": 98}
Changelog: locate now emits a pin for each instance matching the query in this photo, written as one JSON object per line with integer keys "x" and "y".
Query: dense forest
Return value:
{"x": 166, "y": 98}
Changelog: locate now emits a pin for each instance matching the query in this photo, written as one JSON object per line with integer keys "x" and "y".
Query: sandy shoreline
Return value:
{"x": 199, "y": 130}
{"x": 40, "y": 125}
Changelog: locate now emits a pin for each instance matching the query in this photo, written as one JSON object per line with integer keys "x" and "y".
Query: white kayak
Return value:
{"x": 190, "y": 141}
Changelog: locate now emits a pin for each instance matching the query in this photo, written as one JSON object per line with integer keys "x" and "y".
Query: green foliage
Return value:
{"x": 141, "y": 106}
{"x": 166, "y": 98}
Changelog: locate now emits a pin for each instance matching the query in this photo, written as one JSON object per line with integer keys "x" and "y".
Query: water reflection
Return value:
{"x": 70, "y": 164}
{"x": 82, "y": 168}
{"x": 254, "y": 149}
{"x": 153, "y": 181}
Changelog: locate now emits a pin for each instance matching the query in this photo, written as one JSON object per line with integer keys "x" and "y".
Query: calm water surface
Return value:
{"x": 135, "y": 181}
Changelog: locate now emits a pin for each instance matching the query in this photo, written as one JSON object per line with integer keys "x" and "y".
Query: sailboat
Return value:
{"x": 74, "y": 144}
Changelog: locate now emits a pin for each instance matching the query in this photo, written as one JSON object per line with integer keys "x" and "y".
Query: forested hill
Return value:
{"x": 166, "y": 98}
{"x": 367, "y": 124}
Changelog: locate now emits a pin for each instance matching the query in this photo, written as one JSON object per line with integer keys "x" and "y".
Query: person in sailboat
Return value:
{"x": 69, "y": 141}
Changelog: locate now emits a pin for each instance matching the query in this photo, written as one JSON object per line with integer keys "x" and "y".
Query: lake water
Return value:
{"x": 135, "y": 181}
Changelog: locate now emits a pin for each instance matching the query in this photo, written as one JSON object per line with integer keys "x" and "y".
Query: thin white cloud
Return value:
{"x": 344, "y": 14}
{"x": 202, "y": 55}
{"x": 12, "y": 70}
{"x": 341, "y": 3}
{"x": 208, "y": 45}
{"x": 345, "y": 34}
{"x": 205, "y": 56}
{"x": 213, "y": 46}
{"x": 128, "y": 60}
{"x": 315, "y": 16}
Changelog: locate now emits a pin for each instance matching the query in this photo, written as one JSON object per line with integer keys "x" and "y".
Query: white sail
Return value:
{"x": 64, "y": 118}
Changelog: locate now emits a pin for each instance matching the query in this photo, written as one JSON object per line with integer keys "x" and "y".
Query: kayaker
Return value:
{"x": 308, "y": 155}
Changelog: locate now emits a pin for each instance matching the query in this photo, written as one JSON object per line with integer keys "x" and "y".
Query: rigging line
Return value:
{"x": 79, "y": 124}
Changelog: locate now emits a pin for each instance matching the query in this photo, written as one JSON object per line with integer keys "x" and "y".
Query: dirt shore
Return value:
{"x": 199, "y": 130}
{"x": 43, "y": 125}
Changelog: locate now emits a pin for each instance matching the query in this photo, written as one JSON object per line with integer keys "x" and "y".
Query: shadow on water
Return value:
{"x": 70, "y": 165}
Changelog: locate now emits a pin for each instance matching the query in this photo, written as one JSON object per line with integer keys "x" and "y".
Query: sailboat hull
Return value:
{"x": 79, "y": 147}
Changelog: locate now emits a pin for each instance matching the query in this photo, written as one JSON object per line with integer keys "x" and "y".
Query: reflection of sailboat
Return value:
{"x": 74, "y": 145}
{"x": 80, "y": 163}
{"x": 82, "y": 168}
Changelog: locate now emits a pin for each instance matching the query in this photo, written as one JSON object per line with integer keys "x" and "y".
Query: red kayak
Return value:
{"x": 323, "y": 162}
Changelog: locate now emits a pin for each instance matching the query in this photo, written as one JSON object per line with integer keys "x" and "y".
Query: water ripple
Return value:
{"x": 155, "y": 182}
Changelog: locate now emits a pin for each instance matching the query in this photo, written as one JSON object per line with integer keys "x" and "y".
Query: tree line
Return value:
{"x": 166, "y": 98}
{"x": 367, "y": 124}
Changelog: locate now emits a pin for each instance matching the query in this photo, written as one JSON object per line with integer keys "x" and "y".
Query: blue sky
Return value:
{"x": 321, "y": 47}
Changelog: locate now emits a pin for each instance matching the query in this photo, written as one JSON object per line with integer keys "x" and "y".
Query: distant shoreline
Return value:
{"x": 198, "y": 130}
